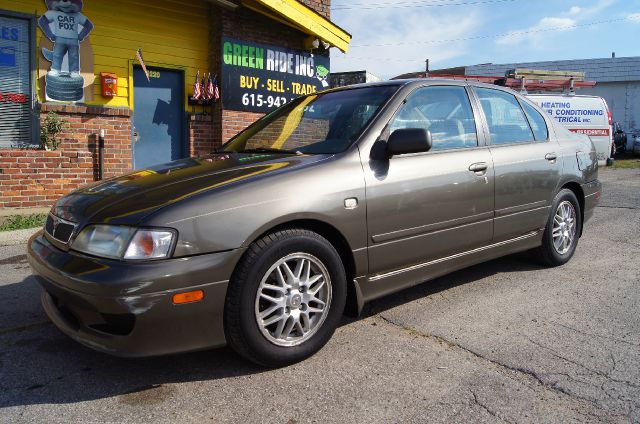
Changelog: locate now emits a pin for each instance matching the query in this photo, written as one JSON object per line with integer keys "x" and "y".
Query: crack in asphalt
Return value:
{"x": 24, "y": 327}
{"x": 19, "y": 259}
{"x": 606, "y": 375}
{"x": 489, "y": 410}
{"x": 585, "y": 333}
{"x": 556, "y": 354}
{"x": 529, "y": 373}
{"x": 634, "y": 208}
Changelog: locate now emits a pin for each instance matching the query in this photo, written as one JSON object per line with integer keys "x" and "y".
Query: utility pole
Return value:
{"x": 426, "y": 69}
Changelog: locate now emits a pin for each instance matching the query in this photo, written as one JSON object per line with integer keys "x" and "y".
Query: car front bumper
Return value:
{"x": 126, "y": 309}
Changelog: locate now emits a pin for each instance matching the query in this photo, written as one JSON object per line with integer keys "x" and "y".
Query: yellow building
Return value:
{"x": 129, "y": 68}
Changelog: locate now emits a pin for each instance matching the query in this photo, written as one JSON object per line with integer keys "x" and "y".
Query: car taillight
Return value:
{"x": 606, "y": 106}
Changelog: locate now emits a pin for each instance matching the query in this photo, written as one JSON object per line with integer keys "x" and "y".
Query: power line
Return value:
{"x": 416, "y": 5}
{"x": 350, "y": 3}
{"x": 393, "y": 3}
{"x": 480, "y": 37}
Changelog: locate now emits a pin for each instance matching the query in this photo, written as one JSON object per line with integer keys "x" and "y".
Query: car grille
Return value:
{"x": 59, "y": 229}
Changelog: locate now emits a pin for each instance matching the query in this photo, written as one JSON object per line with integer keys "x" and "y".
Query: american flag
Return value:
{"x": 210, "y": 91}
{"x": 197, "y": 90}
{"x": 203, "y": 89}
{"x": 216, "y": 90}
{"x": 144, "y": 66}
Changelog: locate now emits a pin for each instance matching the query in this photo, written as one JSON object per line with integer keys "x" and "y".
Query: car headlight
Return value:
{"x": 119, "y": 242}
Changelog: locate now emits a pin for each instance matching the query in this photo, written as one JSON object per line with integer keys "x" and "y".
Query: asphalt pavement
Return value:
{"x": 505, "y": 341}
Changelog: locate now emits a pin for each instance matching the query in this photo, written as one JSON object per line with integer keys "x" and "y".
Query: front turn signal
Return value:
{"x": 188, "y": 297}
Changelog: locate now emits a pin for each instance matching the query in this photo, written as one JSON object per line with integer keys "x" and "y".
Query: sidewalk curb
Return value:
{"x": 13, "y": 238}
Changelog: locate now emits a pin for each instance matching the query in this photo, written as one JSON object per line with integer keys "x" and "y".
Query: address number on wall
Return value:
{"x": 154, "y": 74}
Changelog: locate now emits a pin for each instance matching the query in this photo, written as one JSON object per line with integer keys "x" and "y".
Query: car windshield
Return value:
{"x": 323, "y": 123}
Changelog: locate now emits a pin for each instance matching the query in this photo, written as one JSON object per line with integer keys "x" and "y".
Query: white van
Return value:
{"x": 581, "y": 114}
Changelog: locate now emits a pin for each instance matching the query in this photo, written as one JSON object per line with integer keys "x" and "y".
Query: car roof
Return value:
{"x": 421, "y": 81}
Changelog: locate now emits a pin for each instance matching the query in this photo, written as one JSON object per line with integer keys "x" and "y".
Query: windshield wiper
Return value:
{"x": 269, "y": 150}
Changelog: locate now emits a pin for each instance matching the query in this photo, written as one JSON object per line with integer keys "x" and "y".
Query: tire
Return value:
{"x": 65, "y": 95}
{"x": 64, "y": 88}
{"x": 264, "y": 337}
{"x": 65, "y": 83}
{"x": 549, "y": 253}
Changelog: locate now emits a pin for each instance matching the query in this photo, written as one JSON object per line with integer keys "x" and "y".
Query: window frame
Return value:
{"x": 519, "y": 101}
{"x": 33, "y": 79}
{"x": 544, "y": 119}
{"x": 480, "y": 136}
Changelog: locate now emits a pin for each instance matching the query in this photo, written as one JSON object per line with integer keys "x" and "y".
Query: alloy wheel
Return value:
{"x": 293, "y": 299}
{"x": 564, "y": 227}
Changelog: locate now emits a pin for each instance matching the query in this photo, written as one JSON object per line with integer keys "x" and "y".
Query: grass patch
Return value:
{"x": 626, "y": 164}
{"x": 23, "y": 222}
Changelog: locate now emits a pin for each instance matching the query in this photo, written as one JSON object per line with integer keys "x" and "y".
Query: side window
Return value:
{"x": 505, "y": 118}
{"x": 538, "y": 124}
{"x": 443, "y": 110}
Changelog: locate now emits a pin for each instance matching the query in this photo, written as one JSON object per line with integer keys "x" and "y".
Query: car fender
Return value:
{"x": 236, "y": 217}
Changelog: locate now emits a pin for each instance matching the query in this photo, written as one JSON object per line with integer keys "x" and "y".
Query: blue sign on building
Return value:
{"x": 7, "y": 56}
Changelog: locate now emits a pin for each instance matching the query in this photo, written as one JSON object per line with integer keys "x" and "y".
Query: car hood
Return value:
{"x": 129, "y": 198}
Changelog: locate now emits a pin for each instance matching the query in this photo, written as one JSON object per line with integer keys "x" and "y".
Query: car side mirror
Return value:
{"x": 409, "y": 140}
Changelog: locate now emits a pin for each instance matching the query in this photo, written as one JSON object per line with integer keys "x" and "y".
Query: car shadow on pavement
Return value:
{"x": 40, "y": 365}
{"x": 518, "y": 262}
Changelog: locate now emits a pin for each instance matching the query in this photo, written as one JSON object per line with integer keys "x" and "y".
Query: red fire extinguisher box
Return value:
{"x": 109, "y": 84}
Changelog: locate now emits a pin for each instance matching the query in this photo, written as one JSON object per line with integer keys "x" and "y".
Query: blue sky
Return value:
{"x": 392, "y": 37}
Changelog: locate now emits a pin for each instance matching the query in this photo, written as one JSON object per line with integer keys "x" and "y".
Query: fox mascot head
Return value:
{"x": 66, "y": 6}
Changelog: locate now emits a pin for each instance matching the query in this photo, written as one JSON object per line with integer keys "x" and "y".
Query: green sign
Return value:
{"x": 261, "y": 77}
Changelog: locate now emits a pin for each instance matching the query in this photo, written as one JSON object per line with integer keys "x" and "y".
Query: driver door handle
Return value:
{"x": 551, "y": 157}
{"x": 479, "y": 168}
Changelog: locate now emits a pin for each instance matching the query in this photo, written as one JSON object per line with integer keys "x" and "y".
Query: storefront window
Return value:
{"x": 16, "y": 84}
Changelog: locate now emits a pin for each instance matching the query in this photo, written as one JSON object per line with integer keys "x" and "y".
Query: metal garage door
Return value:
{"x": 15, "y": 82}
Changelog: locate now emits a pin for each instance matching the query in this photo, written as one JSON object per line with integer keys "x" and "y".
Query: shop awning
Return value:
{"x": 303, "y": 18}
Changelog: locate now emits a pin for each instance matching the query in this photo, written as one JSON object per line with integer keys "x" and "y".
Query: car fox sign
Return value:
{"x": 67, "y": 28}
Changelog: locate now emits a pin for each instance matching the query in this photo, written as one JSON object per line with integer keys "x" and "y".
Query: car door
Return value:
{"x": 426, "y": 206}
{"x": 524, "y": 154}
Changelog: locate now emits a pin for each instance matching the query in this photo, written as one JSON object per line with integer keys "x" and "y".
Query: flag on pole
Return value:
{"x": 197, "y": 91}
{"x": 203, "y": 89}
{"x": 216, "y": 89}
{"x": 209, "y": 92}
{"x": 144, "y": 67}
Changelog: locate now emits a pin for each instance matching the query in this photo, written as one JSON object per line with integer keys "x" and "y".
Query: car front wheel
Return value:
{"x": 285, "y": 298}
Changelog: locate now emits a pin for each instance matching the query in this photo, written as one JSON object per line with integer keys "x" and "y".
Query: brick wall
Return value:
{"x": 309, "y": 131}
{"x": 247, "y": 25}
{"x": 323, "y": 7}
{"x": 201, "y": 137}
{"x": 235, "y": 121}
{"x": 37, "y": 178}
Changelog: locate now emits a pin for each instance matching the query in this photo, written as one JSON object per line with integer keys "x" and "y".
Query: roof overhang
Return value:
{"x": 297, "y": 15}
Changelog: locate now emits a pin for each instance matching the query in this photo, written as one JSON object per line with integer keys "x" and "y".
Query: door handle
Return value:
{"x": 551, "y": 157}
{"x": 479, "y": 168}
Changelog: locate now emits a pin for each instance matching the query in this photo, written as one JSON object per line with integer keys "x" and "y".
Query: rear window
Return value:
{"x": 505, "y": 118}
{"x": 538, "y": 124}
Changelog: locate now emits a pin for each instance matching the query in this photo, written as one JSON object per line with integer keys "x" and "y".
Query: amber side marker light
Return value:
{"x": 188, "y": 297}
